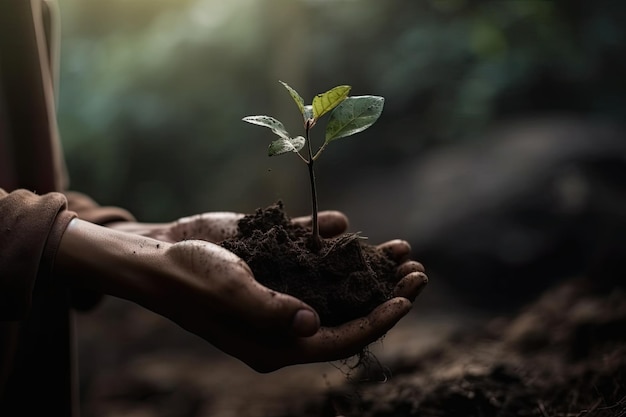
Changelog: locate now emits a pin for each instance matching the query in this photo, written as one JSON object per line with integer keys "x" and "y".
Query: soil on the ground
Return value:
{"x": 345, "y": 279}
{"x": 562, "y": 356}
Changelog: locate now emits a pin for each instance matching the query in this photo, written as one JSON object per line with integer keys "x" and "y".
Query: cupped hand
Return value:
{"x": 218, "y": 299}
{"x": 217, "y": 226}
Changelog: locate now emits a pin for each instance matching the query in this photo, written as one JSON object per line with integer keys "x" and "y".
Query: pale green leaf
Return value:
{"x": 284, "y": 145}
{"x": 296, "y": 97}
{"x": 325, "y": 102}
{"x": 353, "y": 115}
{"x": 308, "y": 112}
{"x": 267, "y": 121}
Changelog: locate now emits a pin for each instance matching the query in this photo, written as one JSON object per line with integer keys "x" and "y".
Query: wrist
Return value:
{"x": 109, "y": 261}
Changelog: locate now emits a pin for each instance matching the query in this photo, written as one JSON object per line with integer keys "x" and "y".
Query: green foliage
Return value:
{"x": 349, "y": 115}
{"x": 298, "y": 99}
{"x": 274, "y": 125}
{"x": 282, "y": 145}
{"x": 353, "y": 115}
{"x": 325, "y": 102}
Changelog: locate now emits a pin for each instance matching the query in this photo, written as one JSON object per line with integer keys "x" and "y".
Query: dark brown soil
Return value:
{"x": 347, "y": 278}
{"x": 564, "y": 355}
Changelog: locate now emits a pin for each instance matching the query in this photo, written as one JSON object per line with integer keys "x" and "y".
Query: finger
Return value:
{"x": 411, "y": 285}
{"x": 398, "y": 250}
{"x": 335, "y": 343}
{"x": 212, "y": 227}
{"x": 281, "y": 313}
{"x": 408, "y": 267}
{"x": 331, "y": 222}
{"x": 305, "y": 323}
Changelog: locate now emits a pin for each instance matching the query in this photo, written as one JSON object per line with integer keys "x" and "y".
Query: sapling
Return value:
{"x": 348, "y": 115}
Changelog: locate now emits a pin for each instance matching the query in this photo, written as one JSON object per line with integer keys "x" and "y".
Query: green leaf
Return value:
{"x": 284, "y": 145}
{"x": 325, "y": 102}
{"x": 308, "y": 112}
{"x": 296, "y": 97}
{"x": 353, "y": 115}
{"x": 269, "y": 122}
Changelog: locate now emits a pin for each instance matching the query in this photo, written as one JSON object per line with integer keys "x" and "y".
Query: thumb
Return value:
{"x": 283, "y": 312}
{"x": 305, "y": 323}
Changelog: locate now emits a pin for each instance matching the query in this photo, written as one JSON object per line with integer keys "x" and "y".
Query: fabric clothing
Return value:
{"x": 31, "y": 227}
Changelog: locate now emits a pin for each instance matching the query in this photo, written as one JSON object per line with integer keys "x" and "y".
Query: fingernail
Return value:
{"x": 305, "y": 323}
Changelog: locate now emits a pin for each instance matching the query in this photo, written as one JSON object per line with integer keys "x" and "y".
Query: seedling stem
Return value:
{"x": 316, "y": 241}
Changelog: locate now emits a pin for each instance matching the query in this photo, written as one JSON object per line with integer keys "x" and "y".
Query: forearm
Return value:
{"x": 112, "y": 262}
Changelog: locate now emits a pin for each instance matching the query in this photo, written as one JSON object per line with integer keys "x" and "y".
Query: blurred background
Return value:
{"x": 153, "y": 91}
{"x": 500, "y": 154}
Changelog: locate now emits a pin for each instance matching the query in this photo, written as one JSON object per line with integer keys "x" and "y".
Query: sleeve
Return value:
{"x": 31, "y": 227}
{"x": 87, "y": 209}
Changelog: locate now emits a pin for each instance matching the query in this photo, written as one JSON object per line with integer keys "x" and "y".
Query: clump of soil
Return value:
{"x": 346, "y": 279}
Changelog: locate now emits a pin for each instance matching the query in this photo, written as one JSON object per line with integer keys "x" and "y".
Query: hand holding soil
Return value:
{"x": 216, "y": 227}
{"x": 266, "y": 329}
{"x": 211, "y": 292}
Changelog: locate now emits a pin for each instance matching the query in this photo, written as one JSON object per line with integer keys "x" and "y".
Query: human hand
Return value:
{"x": 268, "y": 330}
{"x": 334, "y": 343}
{"x": 217, "y": 226}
